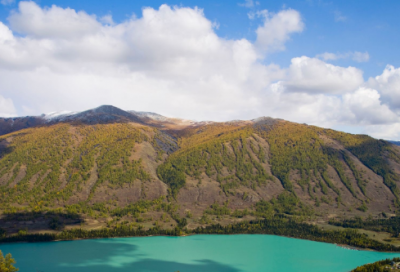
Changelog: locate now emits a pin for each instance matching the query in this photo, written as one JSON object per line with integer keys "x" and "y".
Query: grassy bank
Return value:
{"x": 277, "y": 226}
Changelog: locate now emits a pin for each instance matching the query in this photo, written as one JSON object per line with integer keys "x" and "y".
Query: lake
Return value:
{"x": 198, "y": 253}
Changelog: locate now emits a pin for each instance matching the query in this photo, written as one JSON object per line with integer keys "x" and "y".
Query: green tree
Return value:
{"x": 7, "y": 263}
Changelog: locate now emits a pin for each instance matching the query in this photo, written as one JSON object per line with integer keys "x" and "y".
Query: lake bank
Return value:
{"x": 281, "y": 227}
{"x": 195, "y": 253}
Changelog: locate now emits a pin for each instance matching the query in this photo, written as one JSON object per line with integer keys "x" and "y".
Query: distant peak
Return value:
{"x": 107, "y": 109}
{"x": 264, "y": 120}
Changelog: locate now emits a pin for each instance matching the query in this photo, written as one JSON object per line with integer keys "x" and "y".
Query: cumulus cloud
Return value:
{"x": 316, "y": 109}
{"x": 319, "y": 93}
{"x": 53, "y": 22}
{"x": 7, "y": 108}
{"x": 171, "y": 61}
{"x": 107, "y": 19}
{"x": 311, "y": 75}
{"x": 362, "y": 107}
{"x": 5, "y": 34}
{"x": 388, "y": 131}
{"x": 277, "y": 29}
{"x": 388, "y": 83}
{"x": 356, "y": 56}
{"x": 367, "y": 108}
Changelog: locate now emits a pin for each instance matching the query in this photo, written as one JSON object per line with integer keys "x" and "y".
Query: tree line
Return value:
{"x": 391, "y": 225}
{"x": 276, "y": 226}
{"x": 379, "y": 266}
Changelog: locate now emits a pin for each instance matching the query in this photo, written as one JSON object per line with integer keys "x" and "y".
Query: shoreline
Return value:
{"x": 280, "y": 227}
{"x": 344, "y": 246}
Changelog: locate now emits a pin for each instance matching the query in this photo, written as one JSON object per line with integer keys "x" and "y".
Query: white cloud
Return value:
{"x": 7, "y": 2}
{"x": 388, "y": 83}
{"x": 53, "y": 22}
{"x": 322, "y": 94}
{"x": 277, "y": 29}
{"x": 5, "y": 34}
{"x": 387, "y": 132}
{"x": 107, "y": 19}
{"x": 7, "y": 108}
{"x": 356, "y": 56}
{"x": 311, "y": 75}
{"x": 316, "y": 109}
{"x": 367, "y": 108}
{"x": 259, "y": 13}
{"x": 171, "y": 61}
{"x": 361, "y": 107}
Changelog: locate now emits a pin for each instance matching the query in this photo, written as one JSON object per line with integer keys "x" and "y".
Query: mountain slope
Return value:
{"x": 8, "y": 125}
{"x": 110, "y": 166}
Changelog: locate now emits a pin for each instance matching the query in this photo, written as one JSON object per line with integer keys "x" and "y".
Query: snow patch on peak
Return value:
{"x": 58, "y": 114}
{"x": 151, "y": 115}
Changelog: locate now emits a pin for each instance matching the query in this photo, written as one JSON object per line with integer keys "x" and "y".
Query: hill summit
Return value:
{"x": 101, "y": 115}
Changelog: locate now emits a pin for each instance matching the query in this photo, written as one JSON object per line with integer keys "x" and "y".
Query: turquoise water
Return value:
{"x": 199, "y": 253}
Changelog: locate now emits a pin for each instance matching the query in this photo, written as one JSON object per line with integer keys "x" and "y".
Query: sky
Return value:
{"x": 332, "y": 64}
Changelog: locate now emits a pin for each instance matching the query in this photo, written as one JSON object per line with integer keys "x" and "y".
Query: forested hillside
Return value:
{"x": 95, "y": 172}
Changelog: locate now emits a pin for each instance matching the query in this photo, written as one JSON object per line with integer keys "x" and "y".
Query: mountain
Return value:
{"x": 101, "y": 115}
{"x": 395, "y": 142}
{"x": 8, "y": 125}
{"x": 110, "y": 167}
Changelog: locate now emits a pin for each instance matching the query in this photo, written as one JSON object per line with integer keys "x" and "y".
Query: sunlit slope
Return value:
{"x": 62, "y": 164}
{"x": 330, "y": 171}
{"x": 267, "y": 166}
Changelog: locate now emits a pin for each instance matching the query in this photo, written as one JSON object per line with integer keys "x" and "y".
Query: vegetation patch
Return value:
{"x": 387, "y": 265}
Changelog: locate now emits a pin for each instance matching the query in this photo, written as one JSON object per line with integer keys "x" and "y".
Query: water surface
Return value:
{"x": 198, "y": 253}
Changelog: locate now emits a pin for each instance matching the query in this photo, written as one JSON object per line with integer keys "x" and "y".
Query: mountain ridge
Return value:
{"x": 111, "y": 113}
{"x": 104, "y": 114}
{"x": 108, "y": 165}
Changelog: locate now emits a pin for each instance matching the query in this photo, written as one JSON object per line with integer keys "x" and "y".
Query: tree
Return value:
{"x": 7, "y": 263}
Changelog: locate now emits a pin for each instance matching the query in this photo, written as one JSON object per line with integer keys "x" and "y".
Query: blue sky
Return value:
{"x": 331, "y": 26}
{"x": 327, "y": 63}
